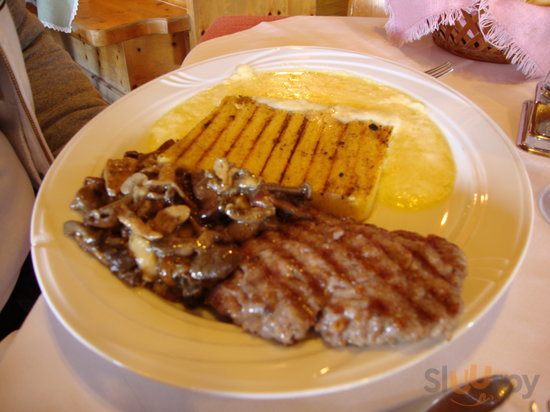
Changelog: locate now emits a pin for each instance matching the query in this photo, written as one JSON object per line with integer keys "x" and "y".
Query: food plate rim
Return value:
{"x": 38, "y": 236}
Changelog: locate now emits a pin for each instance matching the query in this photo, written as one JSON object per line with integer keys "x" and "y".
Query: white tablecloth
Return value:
{"x": 43, "y": 368}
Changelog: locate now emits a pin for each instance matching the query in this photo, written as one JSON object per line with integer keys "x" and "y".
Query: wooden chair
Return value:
{"x": 371, "y": 8}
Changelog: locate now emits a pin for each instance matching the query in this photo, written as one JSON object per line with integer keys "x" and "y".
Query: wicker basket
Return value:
{"x": 465, "y": 39}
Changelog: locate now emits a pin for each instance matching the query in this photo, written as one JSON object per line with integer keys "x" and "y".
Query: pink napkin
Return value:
{"x": 521, "y": 30}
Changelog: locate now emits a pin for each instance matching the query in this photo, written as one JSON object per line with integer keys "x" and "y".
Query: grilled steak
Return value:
{"x": 352, "y": 283}
{"x": 263, "y": 257}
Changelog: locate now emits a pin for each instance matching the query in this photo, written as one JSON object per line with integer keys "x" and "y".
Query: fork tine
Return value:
{"x": 440, "y": 70}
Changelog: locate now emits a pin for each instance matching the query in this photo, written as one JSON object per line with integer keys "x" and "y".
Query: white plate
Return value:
{"x": 489, "y": 216}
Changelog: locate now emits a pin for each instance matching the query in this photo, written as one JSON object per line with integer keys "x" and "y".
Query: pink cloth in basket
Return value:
{"x": 520, "y": 29}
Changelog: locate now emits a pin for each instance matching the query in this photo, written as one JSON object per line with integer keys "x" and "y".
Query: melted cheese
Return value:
{"x": 419, "y": 170}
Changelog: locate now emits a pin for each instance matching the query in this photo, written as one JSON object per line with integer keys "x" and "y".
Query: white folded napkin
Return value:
{"x": 57, "y": 14}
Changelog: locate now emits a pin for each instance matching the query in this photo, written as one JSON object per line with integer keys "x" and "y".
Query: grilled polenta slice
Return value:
{"x": 289, "y": 144}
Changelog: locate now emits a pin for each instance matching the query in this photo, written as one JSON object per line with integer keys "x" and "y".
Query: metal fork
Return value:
{"x": 440, "y": 70}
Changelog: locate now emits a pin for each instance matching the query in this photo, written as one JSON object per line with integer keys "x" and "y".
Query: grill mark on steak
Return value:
{"x": 285, "y": 302}
{"x": 352, "y": 283}
{"x": 284, "y": 278}
{"x": 364, "y": 280}
{"x": 393, "y": 258}
{"x": 287, "y": 253}
{"x": 430, "y": 289}
{"x": 413, "y": 309}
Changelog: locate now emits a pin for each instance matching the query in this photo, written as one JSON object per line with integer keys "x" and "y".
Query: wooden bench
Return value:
{"x": 125, "y": 43}
{"x": 122, "y": 44}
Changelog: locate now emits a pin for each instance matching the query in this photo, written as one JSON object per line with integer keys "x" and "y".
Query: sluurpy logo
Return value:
{"x": 477, "y": 386}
